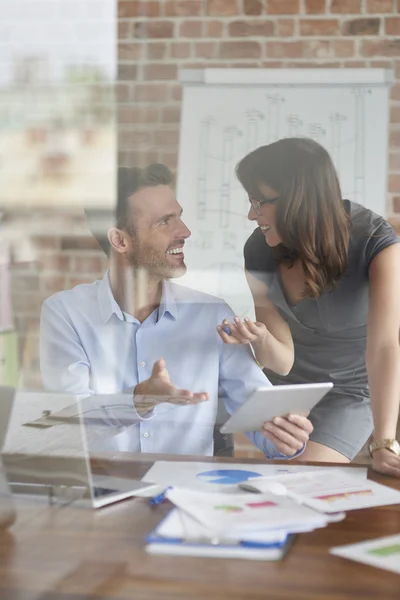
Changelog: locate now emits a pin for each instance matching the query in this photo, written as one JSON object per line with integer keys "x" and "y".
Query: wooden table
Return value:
{"x": 71, "y": 553}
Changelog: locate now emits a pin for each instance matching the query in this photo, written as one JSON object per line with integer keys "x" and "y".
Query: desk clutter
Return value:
{"x": 259, "y": 515}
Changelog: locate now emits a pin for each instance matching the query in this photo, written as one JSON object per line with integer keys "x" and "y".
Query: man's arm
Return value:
{"x": 63, "y": 362}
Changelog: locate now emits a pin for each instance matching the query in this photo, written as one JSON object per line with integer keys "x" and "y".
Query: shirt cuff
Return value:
{"x": 279, "y": 456}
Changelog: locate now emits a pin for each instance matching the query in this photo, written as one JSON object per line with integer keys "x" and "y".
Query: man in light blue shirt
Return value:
{"x": 135, "y": 331}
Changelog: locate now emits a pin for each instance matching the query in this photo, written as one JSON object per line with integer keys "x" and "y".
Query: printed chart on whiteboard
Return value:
{"x": 221, "y": 124}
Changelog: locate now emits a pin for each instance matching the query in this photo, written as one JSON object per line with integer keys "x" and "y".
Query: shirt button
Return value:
{"x": 142, "y": 364}
{"x": 145, "y": 434}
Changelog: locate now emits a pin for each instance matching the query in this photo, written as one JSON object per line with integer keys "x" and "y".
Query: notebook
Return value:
{"x": 180, "y": 535}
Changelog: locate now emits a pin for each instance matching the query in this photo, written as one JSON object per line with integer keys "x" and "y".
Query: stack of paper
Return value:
{"x": 244, "y": 525}
{"x": 327, "y": 493}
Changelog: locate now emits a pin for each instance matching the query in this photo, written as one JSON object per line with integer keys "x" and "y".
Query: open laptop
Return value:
{"x": 7, "y": 508}
{"x": 47, "y": 451}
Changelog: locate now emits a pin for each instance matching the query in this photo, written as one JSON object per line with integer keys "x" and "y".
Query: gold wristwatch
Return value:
{"x": 389, "y": 444}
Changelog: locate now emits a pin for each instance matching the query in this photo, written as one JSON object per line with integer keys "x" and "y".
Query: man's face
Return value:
{"x": 159, "y": 233}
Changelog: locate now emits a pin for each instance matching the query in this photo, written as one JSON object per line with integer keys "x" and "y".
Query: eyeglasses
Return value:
{"x": 258, "y": 204}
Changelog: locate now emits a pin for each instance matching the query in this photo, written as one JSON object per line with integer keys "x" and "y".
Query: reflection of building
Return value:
{"x": 53, "y": 133}
{"x": 31, "y": 70}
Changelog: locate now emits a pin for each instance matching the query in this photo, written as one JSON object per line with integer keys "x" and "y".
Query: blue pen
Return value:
{"x": 159, "y": 498}
{"x": 227, "y": 330}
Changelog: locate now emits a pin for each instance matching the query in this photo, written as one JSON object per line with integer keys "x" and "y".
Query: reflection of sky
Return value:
{"x": 64, "y": 31}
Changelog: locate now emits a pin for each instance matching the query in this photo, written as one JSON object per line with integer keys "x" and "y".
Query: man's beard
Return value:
{"x": 155, "y": 262}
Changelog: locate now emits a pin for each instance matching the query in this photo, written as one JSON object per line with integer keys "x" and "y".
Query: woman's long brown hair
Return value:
{"x": 310, "y": 215}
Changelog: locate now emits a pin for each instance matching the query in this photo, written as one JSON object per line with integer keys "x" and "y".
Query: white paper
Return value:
{"x": 224, "y": 477}
{"x": 338, "y": 491}
{"x": 222, "y": 513}
{"x": 383, "y": 553}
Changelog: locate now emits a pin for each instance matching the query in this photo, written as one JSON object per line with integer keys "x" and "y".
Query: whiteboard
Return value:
{"x": 227, "y": 113}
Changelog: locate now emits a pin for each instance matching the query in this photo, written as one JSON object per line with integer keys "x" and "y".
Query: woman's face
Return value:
{"x": 262, "y": 210}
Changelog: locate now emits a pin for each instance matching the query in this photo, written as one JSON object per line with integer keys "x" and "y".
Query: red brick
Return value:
{"x": 156, "y": 50}
{"x": 283, "y": 7}
{"x": 392, "y": 26}
{"x": 134, "y": 137}
{"x": 160, "y": 71}
{"x": 144, "y": 92}
{"x": 192, "y": 29}
{"x": 126, "y": 72}
{"x": 92, "y": 265}
{"x": 319, "y": 26}
{"x": 380, "y": 6}
{"x": 74, "y": 281}
{"x": 314, "y": 7}
{"x": 123, "y": 92}
{"x": 308, "y": 64}
{"x": 133, "y": 51}
{"x": 395, "y": 114}
{"x": 381, "y": 64}
{"x": 123, "y": 30}
{"x": 214, "y": 28}
{"x": 54, "y": 262}
{"x": 395, "y": 92}
{"x": 204, "y": 50}
{"x": 252, "y": 7}
{"x": 355, "y": 64}
{"x": 345, "y": 6}
{"x": 256, "y": 27}
{"x": 381, "y": 47}
{"x": 137, "y": 158}
{"x": 76, "y": 242}
{"x": 343, "y": 48}
{"x": 273, "y": 64}
{"x": 171, "y": 114}
{"x": 180, "y": 49}
{"x": 248, "y": 49}
{"x": 284, "y": 49}
{"x": 131, "y": 9}
{"x": 153, "y": 29}
{"x": 137, "y": 114}
{"x": 394, "y": 184}
{"x": 184, "y": 8}
{"x": 394, "y": 165}
{"x": 285, "y": 27}
{"x": 166, "y": 137}
{"x": 317, "y": 49}
{"x": 170, "y": 159}
{"x": 176, "y": 92}
{"x": 396, "y": 204}
{"x": 53, "y": 283}
{"x": 222, "y": 8}
{"x": 46, "y": 242}
{"x": 394, "y": 138}
{"x": 361, "y": 27}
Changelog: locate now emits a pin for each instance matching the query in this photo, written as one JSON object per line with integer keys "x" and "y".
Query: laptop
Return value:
{"x": 47, "y": 451}
{"x": 7, "y": 508}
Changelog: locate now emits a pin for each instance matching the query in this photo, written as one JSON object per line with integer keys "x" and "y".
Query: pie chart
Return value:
{"x": 227, "y": 476}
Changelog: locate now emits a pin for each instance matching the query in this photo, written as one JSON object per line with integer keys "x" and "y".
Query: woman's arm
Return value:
{"x": 274, "y": 350}
{"x": 383, "y": 351}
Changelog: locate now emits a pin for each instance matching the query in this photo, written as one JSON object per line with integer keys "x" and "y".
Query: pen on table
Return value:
{"x": 160, "y": 497}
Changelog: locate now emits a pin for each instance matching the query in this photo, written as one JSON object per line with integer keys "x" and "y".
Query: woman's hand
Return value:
{"x": 385, "y": 462}
{"x": 242, "y": 332}
{"x": 288, "y": 434}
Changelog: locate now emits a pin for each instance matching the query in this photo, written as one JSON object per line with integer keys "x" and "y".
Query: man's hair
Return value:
{"x": 130, "y": 181}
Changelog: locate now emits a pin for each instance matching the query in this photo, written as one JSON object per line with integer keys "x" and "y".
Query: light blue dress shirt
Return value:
{"x": 89, "y": 346}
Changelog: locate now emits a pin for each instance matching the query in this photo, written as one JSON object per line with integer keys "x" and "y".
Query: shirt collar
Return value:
{"x": 109, "y": 306}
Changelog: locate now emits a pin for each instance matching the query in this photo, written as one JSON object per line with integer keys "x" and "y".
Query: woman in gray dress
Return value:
{"x": 325, "y": 278}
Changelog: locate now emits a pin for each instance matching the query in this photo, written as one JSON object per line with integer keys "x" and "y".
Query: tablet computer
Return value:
{"x": 275, "y": 401}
